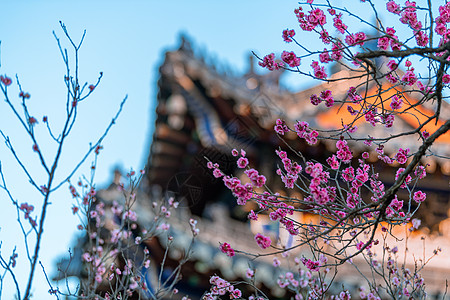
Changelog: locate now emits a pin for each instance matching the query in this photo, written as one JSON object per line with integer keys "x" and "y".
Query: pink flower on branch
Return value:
{"x": 217, "y": 173}
{"x": 419, "y": 196}
{"x": 393, "y": 7}
{"x": 409, "y": 78}
{"x": 263, "y": 241}
{"x": 392, "y": 65}
{"x": 421, "y": 38}
{"x": 24, "y": 95}
{"x": 420, "y": 172}
{"x": 270, "y": 63}
{"x": 407, "y": 179}
{"x": 325, "y": 37}
{"x": 288, "y": 35}
{"x": 315, "y": 100}
{"x": 402, "y": 155}
{"x": 257, "y": 180}
{"x": 252, "y": 216}
{"x": 416, "y": 223}
{"x": 32, "y": 121}
{"x": 242, "y": 162}
{"x": 355, "y": 39}
{"x": 337, "y": 22}
{"x": 396, "y": 102}
{"x": 291, "y": 59}
{"x": 5, "y": 80}
{"x": 446, "y": 78}
{"x": 281, "y": 127}
{"x": 327, "y": 96}
{"x": 311, "y": 265}
{"x": 249, "y": 273}
{"x": 333, "y": 162}
{"x": 353, "y": 95}
{"x": 226, "y": 248}
{"x": 319, "y": 71}
{"x": 336, "y": 50}
{"x": 324, "y": 57}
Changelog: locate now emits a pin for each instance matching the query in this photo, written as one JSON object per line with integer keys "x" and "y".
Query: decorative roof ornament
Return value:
{"x": 185, "y": 44}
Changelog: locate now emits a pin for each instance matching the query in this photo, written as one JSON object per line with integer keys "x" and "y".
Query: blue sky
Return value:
{"x": 125, "y": 40}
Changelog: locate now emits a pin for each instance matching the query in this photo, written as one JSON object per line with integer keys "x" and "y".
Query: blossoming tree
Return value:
{"x": 391, "y": 72}
{"x": 31, "y": 222}
{"x": 113, "y": 257}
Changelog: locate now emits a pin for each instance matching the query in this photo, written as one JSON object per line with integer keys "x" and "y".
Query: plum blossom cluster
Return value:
{"x": 339, "y": 24}
{"x": 319, "y": 192}
{"x": 291, "y": 169}
{"x": 263, "y": 241}
{"x": 270, "y": 63}
{"x": 280, "y": 127}
{"x": 309, "y": 21}
{"x": 399, "y": 279}
{"x": 221, "y": 287}
{"x": 344, "y": 153}
{"x": 402, "y": 155}
{"x": 396, "y": 102}
{"x": 324, "y": 96}
{"x": 315, "y": 20}
{"x": 409, "y": 78}
{"x": 288, "y": 34}
{"x": 382, "y": 156}
{"x": 302, "y": 127}
{"x": 324, "y": 194}
{"x": 319, "y": 71}
{"x": 394, "y": 208}
{"x": 402, "y": 282}
{"x": 355, "y": 39}
{"x": 390, "y": 40}
{"x": 27, "y": 209}
{"x": 314, "y": 265}
{"x": 5, "y": 80}
{"x": 226, "y": 248}
{"x": 194, "y": 229}
{"x": 353, "y": 95}
{"x": 441, "y": 24}
{"x": 303, "y": 131}
{"x": 114, "y": 235}
{"x": 243, "y": 192}
{"x": 290, "y": 59}
{"x": 305, "y": 285}
{"x": 373, "y": 117}
{"x": 408, "y": 15}
{"x": 407, "y": 179}
{"x": 420, "y": 172}
{"x": 393, "y": 78}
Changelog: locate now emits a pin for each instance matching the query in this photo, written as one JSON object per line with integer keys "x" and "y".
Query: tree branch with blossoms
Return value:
{"x": 347, "y": 194}
{"x": 75, "y": 94}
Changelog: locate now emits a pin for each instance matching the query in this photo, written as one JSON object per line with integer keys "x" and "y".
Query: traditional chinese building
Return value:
{"x": 203, "y": 113}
